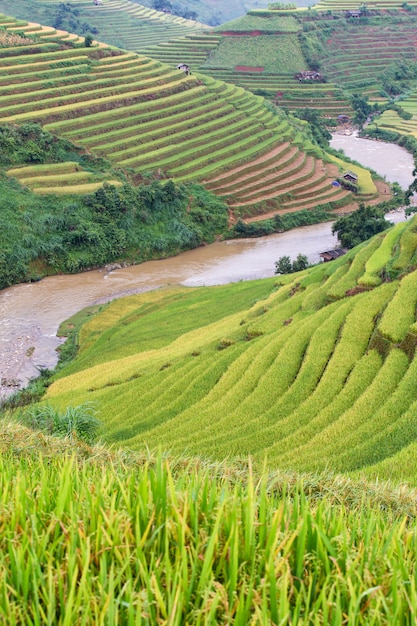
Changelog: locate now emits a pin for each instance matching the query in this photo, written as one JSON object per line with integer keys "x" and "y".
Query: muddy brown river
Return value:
{"x": 30, "y": 314}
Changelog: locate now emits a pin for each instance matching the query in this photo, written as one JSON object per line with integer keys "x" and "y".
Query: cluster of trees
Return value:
{"x": 284, "y": 265}
{"x": 67, "y": 17}
{"x": 174, "y": 7}
{"x": 359, "y": 226}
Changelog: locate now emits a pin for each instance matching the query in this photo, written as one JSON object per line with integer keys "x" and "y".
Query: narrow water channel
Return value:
{"x": 30, "y": 314}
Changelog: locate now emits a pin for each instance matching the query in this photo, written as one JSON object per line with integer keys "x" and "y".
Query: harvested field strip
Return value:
{"x": 294, "y": 161}
{"x": 249, "y": 154}
{"x": 266, "y": 159}
{"x": 276, "y": 189}
{"x": 320, "y": 197}
{"x": 293, "y": 183}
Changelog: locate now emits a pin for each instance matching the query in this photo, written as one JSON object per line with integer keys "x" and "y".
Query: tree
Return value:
{"x": 364, "y": 223}
{"x": 88, "y": 41}
{"x": 300, "y": 263}
{"x": 283, "y": 265}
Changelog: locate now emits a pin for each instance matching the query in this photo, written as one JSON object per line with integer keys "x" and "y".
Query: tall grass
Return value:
{"x": 154, "y": 542}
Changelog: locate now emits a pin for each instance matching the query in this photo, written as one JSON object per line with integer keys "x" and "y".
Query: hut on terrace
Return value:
{"x": 184, "y": 67}
{"x": 350, "y": 176}
{"x": 331, "y": 255}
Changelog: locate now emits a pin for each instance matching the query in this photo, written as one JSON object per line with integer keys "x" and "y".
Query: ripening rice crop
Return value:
{"x": 408, "y": 247}
{"x": 93, "y": 537}
{"x": 381, "y": 256}
{"x": 400, "y": 313}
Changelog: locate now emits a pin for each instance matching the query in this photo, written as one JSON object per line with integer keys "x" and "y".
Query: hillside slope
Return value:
{"x": 310, "y": 371}
{"x": 156, "y": 122}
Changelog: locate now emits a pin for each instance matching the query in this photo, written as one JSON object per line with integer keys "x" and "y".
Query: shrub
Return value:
{"x": 79, "y": 421}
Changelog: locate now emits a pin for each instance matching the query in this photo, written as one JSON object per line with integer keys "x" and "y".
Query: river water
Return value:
{"x": 388, "y": 159}
{"x": 30, "y": 314}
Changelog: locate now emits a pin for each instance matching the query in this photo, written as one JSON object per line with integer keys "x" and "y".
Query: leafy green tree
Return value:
{"x": 88, "y": 40}
{"x": 283, "y": 265}
{"x": 362, "y": 108}
{"x": 364, "y": 223}
{"x": 300, "y": 263}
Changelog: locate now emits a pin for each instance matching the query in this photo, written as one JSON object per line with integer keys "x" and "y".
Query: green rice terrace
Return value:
{"x": 154, "y": 120}
{"x": 118, "y": 22}
{"x": 268, "y": 51}
{"x": 305, "y": 372}
{"x": 265, "y": 50}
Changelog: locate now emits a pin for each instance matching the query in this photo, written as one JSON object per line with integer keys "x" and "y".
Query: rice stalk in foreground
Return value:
{"x": 108, "y": 543}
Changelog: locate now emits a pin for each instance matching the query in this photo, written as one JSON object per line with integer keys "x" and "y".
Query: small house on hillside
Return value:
{"x": 331, "y": 255}
{"x": 308, "y": 75}
{"x": 184, "y": 67}
{"x": 356, "y": 14}
{"x": 350, "y": 176}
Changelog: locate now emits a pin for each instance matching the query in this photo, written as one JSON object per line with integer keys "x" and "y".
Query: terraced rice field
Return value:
{"x": 335, "y": 5}
{"x": 358, "y": 57}
{"x": 59, "y": 178}
{"x": 271, "y": 74}
{"x": 149, "y": 117}
{"x": 310, "y": 371}
{"x": 391, "y": 121}
{"x": 132, "y": 26}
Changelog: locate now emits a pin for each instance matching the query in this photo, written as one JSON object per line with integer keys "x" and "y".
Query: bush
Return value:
{"x": 284, "y": 265}
{"x": 79, "y": 421}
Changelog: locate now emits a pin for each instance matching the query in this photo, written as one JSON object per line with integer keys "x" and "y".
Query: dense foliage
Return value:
{"x": 359, "y": 226}
{"x": 49, "y": 234}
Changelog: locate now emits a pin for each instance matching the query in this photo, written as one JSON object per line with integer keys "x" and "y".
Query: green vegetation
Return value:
{"x": 69, "y": 232}
{"x": 263, "y": 51}
{"x": 118, "y": 538}
{"x": 278, "y": 369}
{"x": 285, "y": 266}
{"x": 160, "y": 123}
{"x": 359, "y": 226}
